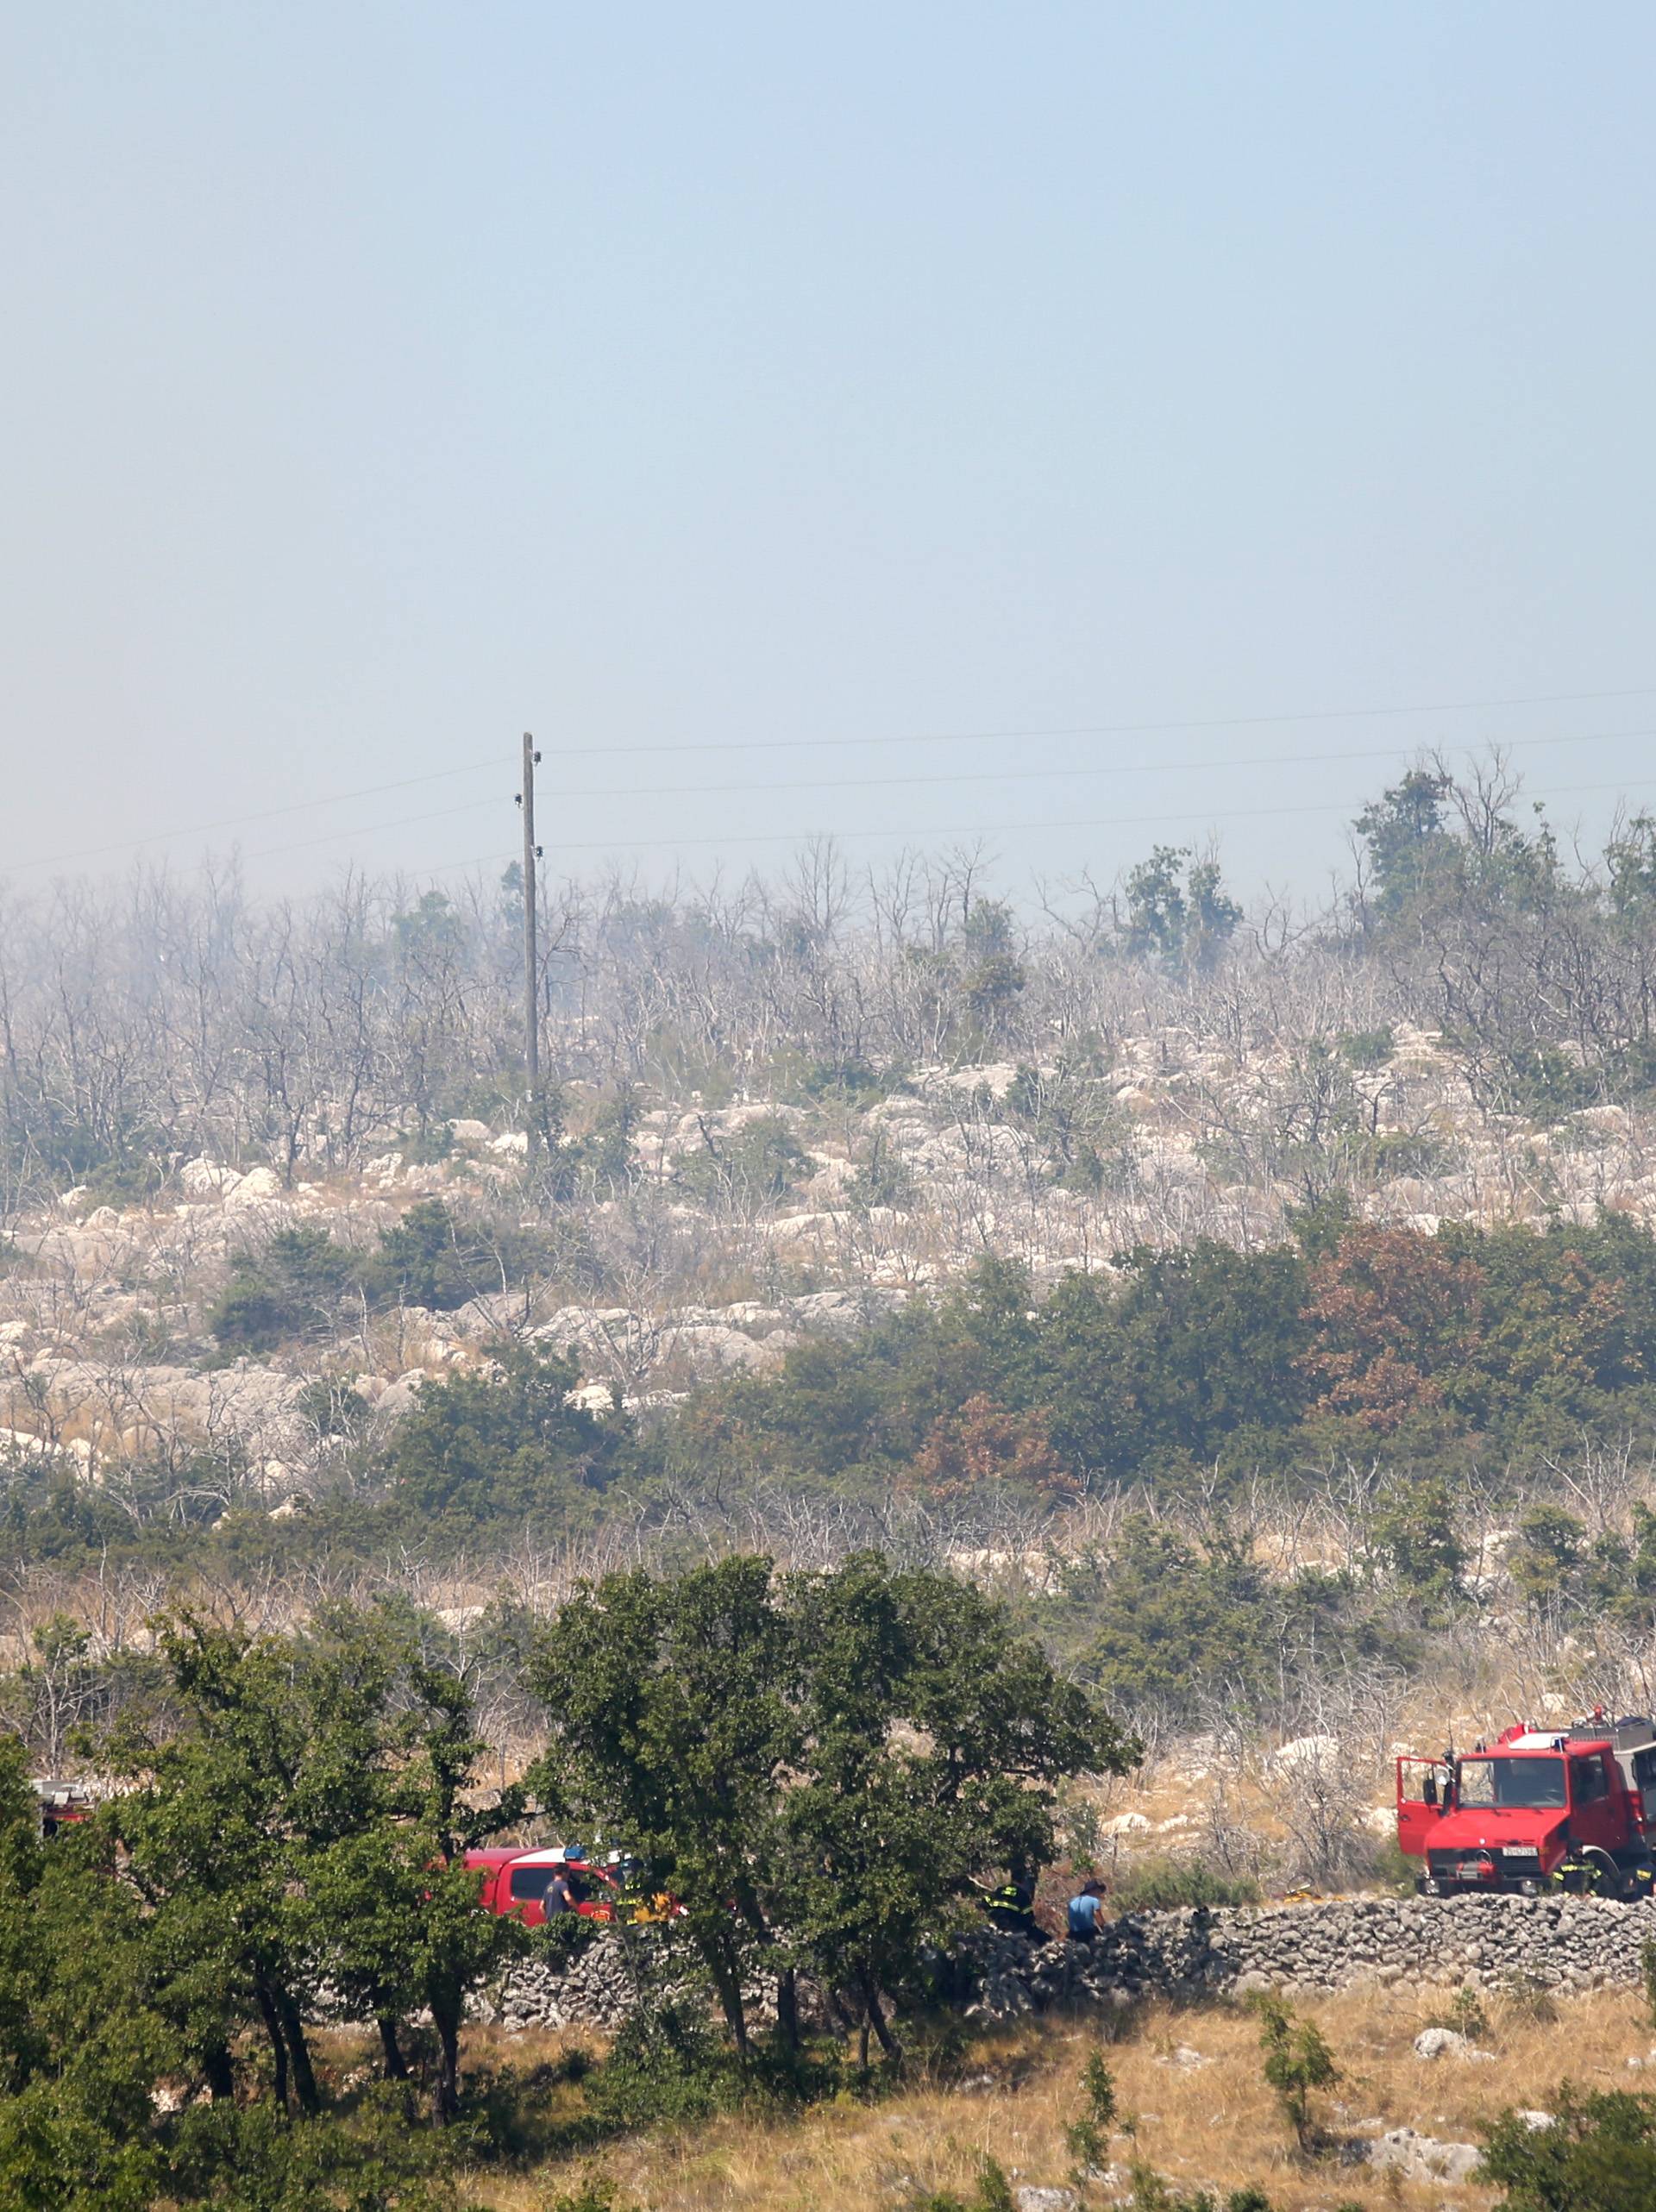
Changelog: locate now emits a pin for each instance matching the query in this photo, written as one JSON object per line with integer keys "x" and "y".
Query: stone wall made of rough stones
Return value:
{"x": 594, "y": 1990}
{"x": 1558, "y": 1943}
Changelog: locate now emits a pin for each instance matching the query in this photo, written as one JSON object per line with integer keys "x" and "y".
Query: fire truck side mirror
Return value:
{"x": 1429, "y": 1795}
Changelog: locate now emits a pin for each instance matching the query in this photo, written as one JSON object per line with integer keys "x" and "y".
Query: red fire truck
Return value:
{"x": 1540, "y": 1808}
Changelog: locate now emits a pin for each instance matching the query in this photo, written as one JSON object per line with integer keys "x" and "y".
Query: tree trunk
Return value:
{"x": 278, "y": 2045}
{"x": 788, "y": 2008}
{"x": 445, "y": 2102}
{"x": 881, "y": 2026}
{"x": 299, "y": 2051}
{"x": 727, "y": 1982}
{"x": 787, "y": 2001}
{"x": 396, "y": 2064}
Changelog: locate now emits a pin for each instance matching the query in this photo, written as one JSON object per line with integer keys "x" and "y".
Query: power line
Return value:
{"x": 1102, "y": 768}
{"x": 952, "y": 776}
{"x": 919, "y": 738}
{"x": 264, "y": 814}
{"x": 1014, "y": 829}
{"x": 1115, "y": 728}
{"x": 375, "y": 828}
{"x": 1198, "y": 819}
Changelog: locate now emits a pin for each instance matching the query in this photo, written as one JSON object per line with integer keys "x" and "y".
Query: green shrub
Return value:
{"x": 1368, "y": 1048}
{"x": 595, "y": 2194}
{"x": 334, "y": 1407}
{"x": 665, "y": 2069}
{"x": 1151, "y": 2194}
{"x": 756, "y": 1165}
{"x": 883, "y": 1179}
{"x": 1393, "y": 1870}
{"x": 1088, "y": 2136}
{"x": 1161, "y": 1885}
{"x": 1599, "y": 2155}
{"x": 1465, "y": 2015}
{"x": 993, "y": 2194}
{"x": 564, "y": 1938}
{"x": 293, "y": 1289}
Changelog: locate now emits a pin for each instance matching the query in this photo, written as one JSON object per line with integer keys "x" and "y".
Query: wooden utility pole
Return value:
{"x": 532, "y": 963}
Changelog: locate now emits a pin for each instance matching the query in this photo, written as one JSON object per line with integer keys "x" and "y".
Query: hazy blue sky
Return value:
{"x": 381, "y": 380}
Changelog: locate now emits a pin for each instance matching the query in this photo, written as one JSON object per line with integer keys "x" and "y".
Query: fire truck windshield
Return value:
{"x": 1507, "y": 1781}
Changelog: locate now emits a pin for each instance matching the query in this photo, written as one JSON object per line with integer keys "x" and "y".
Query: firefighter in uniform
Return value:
{"x": 1010, "y": 1906}
{"x": 1581, "y": 1874}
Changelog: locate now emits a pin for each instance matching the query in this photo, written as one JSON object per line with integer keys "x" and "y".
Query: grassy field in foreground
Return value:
{"x": 1214, "y": 2125}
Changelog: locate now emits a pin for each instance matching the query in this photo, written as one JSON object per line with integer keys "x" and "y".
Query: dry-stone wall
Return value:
{"x": 1558, "y": 1943}
{"x": 593, "y": 1989}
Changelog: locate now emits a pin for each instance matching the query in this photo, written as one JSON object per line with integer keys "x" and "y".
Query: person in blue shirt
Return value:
{"x": 1084, "y": 1910}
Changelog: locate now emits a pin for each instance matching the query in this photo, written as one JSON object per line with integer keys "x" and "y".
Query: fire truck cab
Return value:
{"x": 1539, "y": 1809}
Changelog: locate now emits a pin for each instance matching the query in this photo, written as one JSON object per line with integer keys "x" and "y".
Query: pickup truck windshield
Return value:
{"x": 1496, "y": 1781}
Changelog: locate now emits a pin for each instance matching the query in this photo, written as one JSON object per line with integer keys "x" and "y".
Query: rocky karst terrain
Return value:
{"x": 738, "y": 1228}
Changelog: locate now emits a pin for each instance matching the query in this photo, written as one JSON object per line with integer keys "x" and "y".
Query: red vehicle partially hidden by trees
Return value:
{"x": 1540, "y": 1809}
{"x": 516, "y": 1880}
{"x": 62, "y": 1804}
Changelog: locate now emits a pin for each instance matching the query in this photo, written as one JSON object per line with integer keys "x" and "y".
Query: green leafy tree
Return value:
{"x": 1411, "y": 848}
{"x": 81, "y": 2043}
{"x": 1296, "y": 2062}
{"x": 671, "y": 1726}
{"x": 992, "y": 975}
{"x": 283, "y": 1776}
{"x": 836, "y": 1757}
{"x": 933, "y": 1738}
{"x": 212, "y": 1847}
{"x": 1415, "y": 1530}
{"x": 384, "y": 1816}
{"x": 1630, "y": 860}
{"x": 1181, "y": 927}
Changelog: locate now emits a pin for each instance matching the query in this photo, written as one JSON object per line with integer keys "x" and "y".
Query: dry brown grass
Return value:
{"x": 1216, "y": 2124}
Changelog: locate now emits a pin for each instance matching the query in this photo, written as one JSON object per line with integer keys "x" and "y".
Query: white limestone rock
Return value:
{"x": 206, "y": 1178}
{"x": 257, "y": 1188}
{"x": 1306, "y": 1753}
{"x": 1414, "y": 2157}
{"x": 1450, "y": 2043}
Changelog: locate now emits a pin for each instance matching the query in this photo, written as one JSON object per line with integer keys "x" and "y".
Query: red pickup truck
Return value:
{"x": 516, "y": 1881}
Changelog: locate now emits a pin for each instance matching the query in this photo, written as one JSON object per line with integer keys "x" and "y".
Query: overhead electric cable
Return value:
{"x": 971, "y": 775}
{"x": 263, "y": 814}
{"x": 1112, "y": 729}
{"x": 1197, "y": 817}
{"x": 921, "y": 737}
